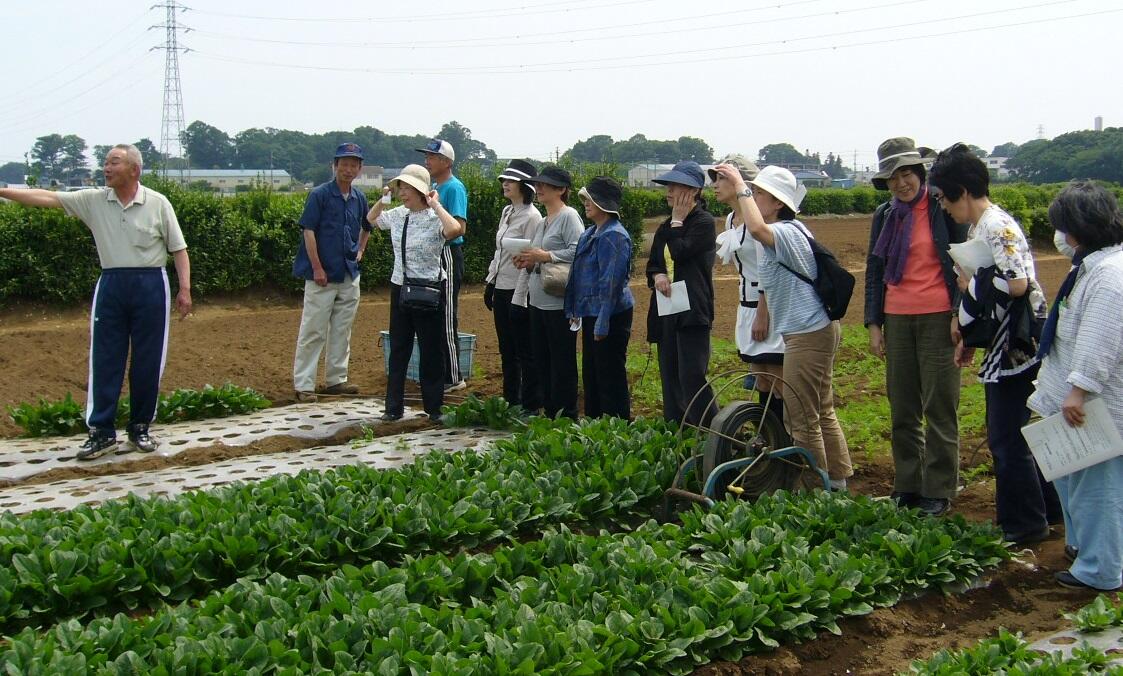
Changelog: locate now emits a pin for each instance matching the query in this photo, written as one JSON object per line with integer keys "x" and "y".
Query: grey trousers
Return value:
{"x": 923, "y": 382}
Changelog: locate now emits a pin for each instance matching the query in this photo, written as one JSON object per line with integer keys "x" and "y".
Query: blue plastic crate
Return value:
{"x": 467, "y": 345}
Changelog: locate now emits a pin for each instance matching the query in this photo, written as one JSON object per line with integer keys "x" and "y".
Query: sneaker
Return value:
{"x": 456, "y": 386}
{"x": 140, "y": 439}
{"x": 340, "y": 388}
{"x": 306, "y": 397}
{"x": 903, "y": 499}
{"x": 838, "y": 485}
{"x": 1071, "y": 553}
{"x": 96, "y": 446}
{"x": 390, "y": 417}
{"x": 1068, "y": 580}
{"x": 933, "y": 506}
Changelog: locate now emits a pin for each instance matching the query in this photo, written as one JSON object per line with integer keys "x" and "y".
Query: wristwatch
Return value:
{"x": 747, "y": 192}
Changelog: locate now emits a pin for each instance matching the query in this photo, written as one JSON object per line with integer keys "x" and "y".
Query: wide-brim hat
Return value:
{"x": 439, "y": 147}
{"x": 555, "y": 176}
{"x": 781, "y": 184}
{"x": 899, "y": 152}
{"x": 349, "y": 150}
{"x": 746, "y": 167}
{"x": 687, "y": 172}
{"x": 519, "y": 170}
{"x": 415, "y": 176}
{"x": 605, "y": 193}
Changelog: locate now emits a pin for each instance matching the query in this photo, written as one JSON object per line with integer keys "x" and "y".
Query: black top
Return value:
{"x": 692, "y": 248}
{"x": 944, "y": 231}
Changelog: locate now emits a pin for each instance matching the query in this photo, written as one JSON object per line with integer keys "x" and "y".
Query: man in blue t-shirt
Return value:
{"x": 439, "y": 156}
{"x": 335, "y": 234}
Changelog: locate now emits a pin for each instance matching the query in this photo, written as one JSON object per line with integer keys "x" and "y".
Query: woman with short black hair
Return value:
{"x": 1082, "y": 351}
{"x": 519, "y": 220}
{"x": 1002, "y": 308}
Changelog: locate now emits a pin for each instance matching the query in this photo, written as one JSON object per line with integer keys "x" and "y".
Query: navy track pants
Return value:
{"x": 131, "y": 308}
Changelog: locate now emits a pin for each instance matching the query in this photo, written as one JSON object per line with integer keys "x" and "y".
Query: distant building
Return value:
{"x": 997, "y": 167}
{"x": 644, "y": 175}
{"x": 842, "y": 183}
{"x": 813, "y": 179}
{"x": 229, "y": 180}
{"x": 369, "y": 179}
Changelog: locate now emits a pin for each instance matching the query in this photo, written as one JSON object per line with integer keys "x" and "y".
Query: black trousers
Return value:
{"x": 521, "y": 384}
{"x": 1024, "y": 502}
{"x": 555, "y": 353}
{"x": 684, "y": 358}
{"x": 604, "y": 367}
{"x": 452, "y": 262}
{"x": 428, "y": 327}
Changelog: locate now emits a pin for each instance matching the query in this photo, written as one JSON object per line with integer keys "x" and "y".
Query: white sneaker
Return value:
{"x": 456, "y": 386}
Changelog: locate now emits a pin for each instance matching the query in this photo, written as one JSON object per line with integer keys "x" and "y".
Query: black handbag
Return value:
{"x": 421, "y": 295}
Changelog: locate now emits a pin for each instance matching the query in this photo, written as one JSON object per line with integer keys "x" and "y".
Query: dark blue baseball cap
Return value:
{"x": 349, "y": 150}
{"x": 687, "y": 172}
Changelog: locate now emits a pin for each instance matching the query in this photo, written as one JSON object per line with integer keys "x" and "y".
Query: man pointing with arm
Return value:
{"x": 134, "y": 229}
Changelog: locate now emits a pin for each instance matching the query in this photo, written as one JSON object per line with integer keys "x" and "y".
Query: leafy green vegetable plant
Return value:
{"x": 664, "y": 598}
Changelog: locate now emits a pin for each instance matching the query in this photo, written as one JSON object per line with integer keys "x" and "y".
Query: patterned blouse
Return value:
{"x": 1014, "y": 260}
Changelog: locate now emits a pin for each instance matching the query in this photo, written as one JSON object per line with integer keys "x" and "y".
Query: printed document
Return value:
{"x": 678, "y": 301}
{"x": 1061, "y": 449}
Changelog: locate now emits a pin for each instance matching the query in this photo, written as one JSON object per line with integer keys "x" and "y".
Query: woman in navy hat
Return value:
{"x": 519, "y": 220}
{"x": 598, "y": 299}
{"x": 551, "y": 251}
{"x": 688, "y": 238}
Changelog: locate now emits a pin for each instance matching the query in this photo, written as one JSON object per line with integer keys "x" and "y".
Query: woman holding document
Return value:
{"x": 910, "y": 295}
{"x": 545, "y": 267}
{"x": 517, "y": 225}
{"x": 688, "y": 238}
{"x": 1002, "y": 309}
{"x": 1082, "y": 350}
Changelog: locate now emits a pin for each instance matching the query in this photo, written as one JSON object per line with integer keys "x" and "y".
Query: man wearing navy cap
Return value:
{"x": 335, "y": 235}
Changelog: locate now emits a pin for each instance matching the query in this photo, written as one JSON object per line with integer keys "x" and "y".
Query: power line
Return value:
{"x": 519, "y": 40}
{"x": 525, "y": 10}
{"x": 582, "y": 65}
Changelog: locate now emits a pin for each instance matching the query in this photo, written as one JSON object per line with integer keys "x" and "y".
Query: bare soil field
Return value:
{"x": 249, "y": 340}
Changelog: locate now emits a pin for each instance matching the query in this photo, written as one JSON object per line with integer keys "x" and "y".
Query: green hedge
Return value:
{"x": 250, "y": 239}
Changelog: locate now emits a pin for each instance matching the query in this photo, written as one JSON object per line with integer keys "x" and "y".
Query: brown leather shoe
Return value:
{"x": 306, "y": 397}
{"x": 340, "y": 388}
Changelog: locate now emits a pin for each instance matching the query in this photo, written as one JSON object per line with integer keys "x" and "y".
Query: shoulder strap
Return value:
{"x": 405, "y": 229}
{"x": 802, "y": 276}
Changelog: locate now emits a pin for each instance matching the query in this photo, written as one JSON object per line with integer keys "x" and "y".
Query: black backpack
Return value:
{"x": 833, "y": 285}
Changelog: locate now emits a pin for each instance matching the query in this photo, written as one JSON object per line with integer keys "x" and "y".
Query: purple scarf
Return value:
{"x": 896, "y": 236}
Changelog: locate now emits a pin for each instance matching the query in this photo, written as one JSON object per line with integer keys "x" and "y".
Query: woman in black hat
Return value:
{"x": 598, "y": 299}
{"x": 519, "y": 220}
{"x": 545, "y": 266}
{"x": 910, "y": 296}
{"x": 689, "y": 238}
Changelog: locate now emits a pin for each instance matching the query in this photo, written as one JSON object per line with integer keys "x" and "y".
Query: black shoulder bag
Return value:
{"x": 417, "y": 294}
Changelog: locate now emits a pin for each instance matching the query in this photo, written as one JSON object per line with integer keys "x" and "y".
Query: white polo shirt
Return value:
{"x": 139, "y": 234}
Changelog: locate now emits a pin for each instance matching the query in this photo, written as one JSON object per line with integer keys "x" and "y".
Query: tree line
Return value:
{"x": 62, "y": 159}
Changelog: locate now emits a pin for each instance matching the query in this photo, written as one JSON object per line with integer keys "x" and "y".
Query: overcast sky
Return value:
{"x": 529, "y": 77}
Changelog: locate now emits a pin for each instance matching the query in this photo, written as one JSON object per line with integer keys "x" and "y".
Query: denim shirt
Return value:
{"x": 336, "y": 223}
{"x": 598, "y": 280}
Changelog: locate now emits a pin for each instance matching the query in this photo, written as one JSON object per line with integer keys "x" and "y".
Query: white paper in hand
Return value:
{"x": 678, "y": 302}
{"x": 1061, "y": 449}
{"x": 515, "y": 245}
{"x": 972, "y": 255}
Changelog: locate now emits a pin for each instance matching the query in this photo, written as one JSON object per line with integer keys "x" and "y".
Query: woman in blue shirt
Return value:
{"x": 598, "y": 299}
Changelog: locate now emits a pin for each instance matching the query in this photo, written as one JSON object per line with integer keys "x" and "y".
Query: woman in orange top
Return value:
{"x": 911, "y": 293}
